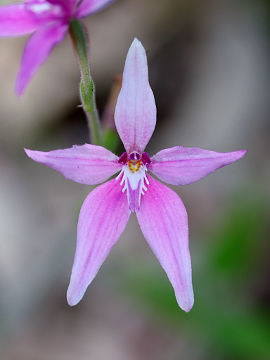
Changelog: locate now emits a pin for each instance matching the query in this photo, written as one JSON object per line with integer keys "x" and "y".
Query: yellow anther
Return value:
{"x": 134, "y": 167}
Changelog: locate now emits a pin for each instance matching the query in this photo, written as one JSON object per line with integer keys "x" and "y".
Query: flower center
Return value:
{"x": 134, "y": 167}
{"x": 134, "y": 162}
{"x": 133, "y": 177}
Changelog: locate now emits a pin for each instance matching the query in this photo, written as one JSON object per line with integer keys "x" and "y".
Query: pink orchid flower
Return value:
{"x": 106, "y": 210}
{"x": 49, "y": 21}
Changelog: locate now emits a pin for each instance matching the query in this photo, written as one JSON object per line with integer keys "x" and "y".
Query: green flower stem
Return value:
{"x": 87, "y": 88}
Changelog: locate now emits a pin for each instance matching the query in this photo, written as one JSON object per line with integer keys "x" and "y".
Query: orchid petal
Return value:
{"x": 163, "y": 220}
{"x": 37, "y": 50}
{"x": 88, "y": 7}
{"x": 182, "y": 166}
{"x": 135, "y": 113}
{"x": 15, "y": 20}
{"x": 85, "y": 164}
{"x": 103, "y": 217}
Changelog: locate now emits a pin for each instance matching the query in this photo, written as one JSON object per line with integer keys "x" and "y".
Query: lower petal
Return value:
{"x": 36, "y": 52}
{"x": 163, "y": 220}
{"x": 103, "y": 217}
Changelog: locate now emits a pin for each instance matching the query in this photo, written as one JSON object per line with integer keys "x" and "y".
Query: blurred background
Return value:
{"x": 209, "y": 70}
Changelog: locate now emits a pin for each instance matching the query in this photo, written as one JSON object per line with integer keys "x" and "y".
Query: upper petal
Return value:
{"x": 163, "y": 220}
{"x": 15, "y": 20}
{"x": 37, "y": 50}
{"x": 103, "y": 217}
{"x": 85, "y": 164}
{"x": 182, "y": 166}
{"x": 135, "y": 113}
{"x": 88, "y": 7}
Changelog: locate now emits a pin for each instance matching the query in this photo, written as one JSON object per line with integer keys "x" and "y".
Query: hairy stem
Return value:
{"x": 79, "y": 38}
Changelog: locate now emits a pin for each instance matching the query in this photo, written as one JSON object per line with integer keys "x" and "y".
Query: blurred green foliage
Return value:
{"x": 227, "y": 319}
{"x": 237, "y": 243}
{"x": 264, "y": 9}
{"x": 112, "y": 141}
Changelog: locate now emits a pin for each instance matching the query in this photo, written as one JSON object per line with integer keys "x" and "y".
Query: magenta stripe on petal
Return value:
{"x": 88, "y": 7}
{"x": 182, "y": 166}
{"x": 135, "y": 113}
{"x": 68, "y": 5}
{"x": 103, "y": 217}
{"x": 134, "y": 196}
{"x": 15, "y": 20}
{"x": 163, "y": 220}
{"x": 36, "y": 52}
{"x": 64, "y": 3}
{"x": 85, "y": 164}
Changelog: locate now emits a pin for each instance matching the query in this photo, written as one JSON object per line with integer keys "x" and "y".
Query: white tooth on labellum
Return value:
{"x": 134, "y": 181}
{"x": 39, "y": 8}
